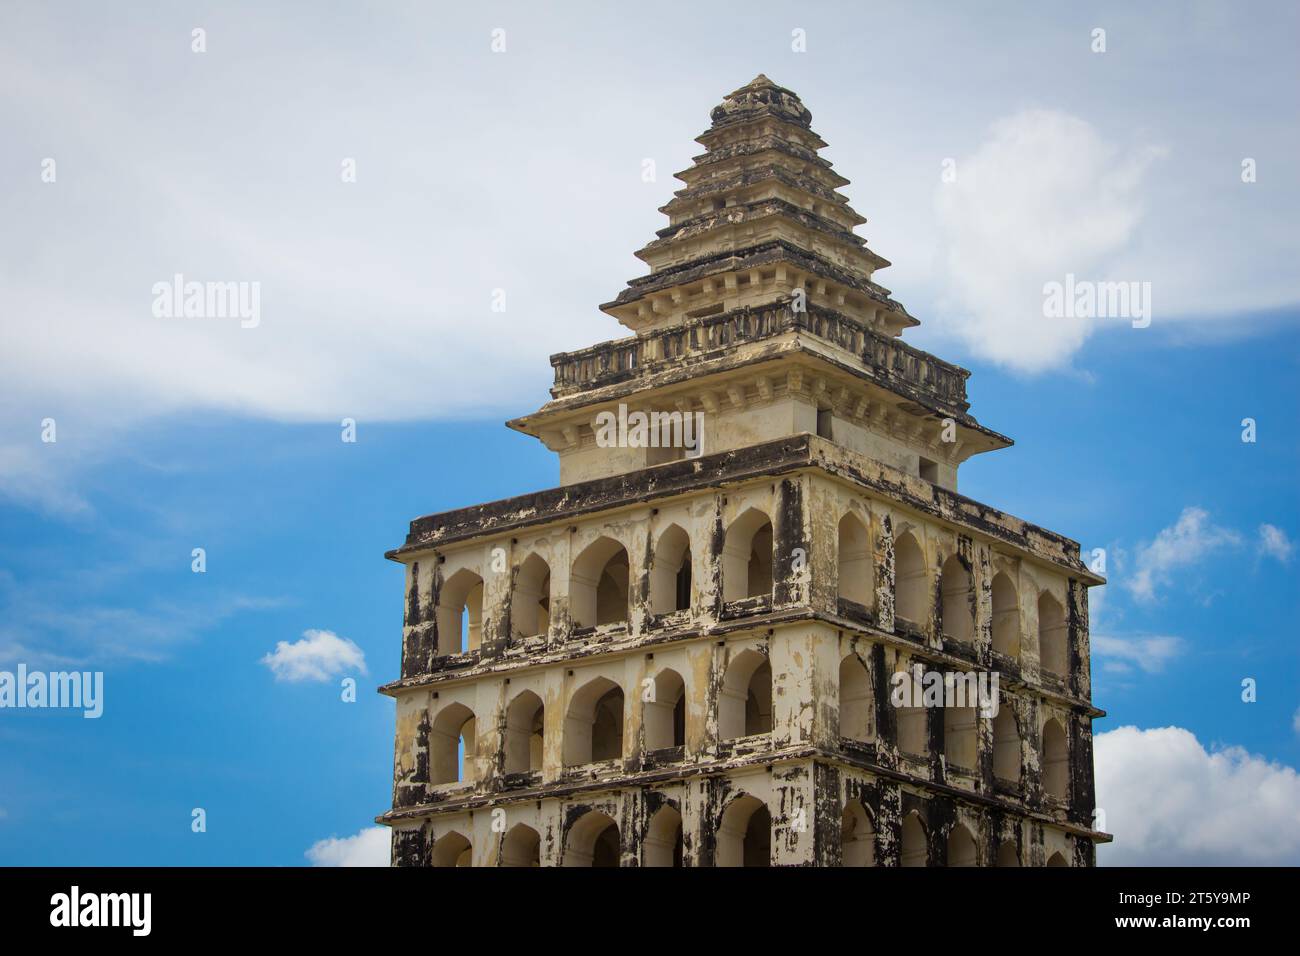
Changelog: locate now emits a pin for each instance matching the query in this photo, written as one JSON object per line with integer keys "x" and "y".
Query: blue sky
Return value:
{"x": 523, "y": 171}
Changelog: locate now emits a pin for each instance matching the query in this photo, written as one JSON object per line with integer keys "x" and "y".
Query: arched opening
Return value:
{"x": 530, "y": 602}
{"x": 460, "y": 613}
{"x": 854, "y": 561}
{"x": 961, "y": 847}
{"x": 525, "y": 733}
{"x": 913, "y": 851}
{"x": 1056, "y": 761}
{"x": 593, "y": 841}
{"x": 1007, "y": 855}
{"x": 452, "y": 745}
{"x": 745, "y": 701}
{"x": 663, "y": 841}
{"x": 913, "y": 729}
{"x": 522, "y": 846}
{"x": 665, "y": 715}
{"x": 911, "y": 588}
{"x": 1051, "y": 635}
{"x": 1006, "y": 616}
{"x": 958, "y": 601}
{"x": 1057, "y": 859}
{"x": 960, "y": 737}
{"x": 747, "y": 557}
{"x": 1006, "y": 746}
{"x": 593, "y": 726}
{"x": 745, "y": 834}
{"x": 451, "y": 849}
{"x": 670, "y": 572}
{"x": 857, "y": 836}
{"x": 598, "y": 585}
{"x": 857, "y": 702}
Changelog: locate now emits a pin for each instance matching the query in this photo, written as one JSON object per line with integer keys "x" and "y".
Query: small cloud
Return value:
{"x": 1295, "y": 725}
{"x": 1191, "y": 539}
{"x": 1151, "y": 654}
{"x": 1273, "y": 543}
{"x": 370, "y": 847}
{"x": 319, "y": 656}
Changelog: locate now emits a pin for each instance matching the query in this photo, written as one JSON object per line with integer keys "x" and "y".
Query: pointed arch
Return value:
{"x": 530, "y": 601}
{"x": 460, "y": 613}
{"x": 522, "y": 846}
{"x": 665, "y": 715}
{"x": 525, "y": 733}
{"x": 958, "y": 600}
{"x": 598, "y": 584}
{"x": 1006, "y": 616}
{"x": 1052, "y": 635}
{"x": 670, "y": 572}
{"x": 857, "y": 701}
{"x": 663, "y": 841}
{"x": 854, "y": 561}
{"x": 744, "y": 836}
{"x": 914, "y": 848}
{"x": 593, "y": 723}
{"x": 452, "y": 745}
{"x": 1056, "y": 761}
{"x": 911, "y": 583}
{"x": 451, "y": 849}
{"x": 745, "y": 699}
{"x": 857, "y": 836}
{"x": 593, "y": 840}
{"x": 747, "y": 557}
{"x": 1006, "y": 746}
{"x": 961, "y": 847}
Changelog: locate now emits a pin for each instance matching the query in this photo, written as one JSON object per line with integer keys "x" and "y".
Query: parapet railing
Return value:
{"x": 889, "y": 359}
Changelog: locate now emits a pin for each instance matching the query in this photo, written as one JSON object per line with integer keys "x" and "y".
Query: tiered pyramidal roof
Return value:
{"x": 759, "y": 196}
{"x": 761, "y": 314}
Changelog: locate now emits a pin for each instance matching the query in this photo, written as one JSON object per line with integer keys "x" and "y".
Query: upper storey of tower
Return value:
{"x": 759, "y": 320}
{"x": 759, "y": 217}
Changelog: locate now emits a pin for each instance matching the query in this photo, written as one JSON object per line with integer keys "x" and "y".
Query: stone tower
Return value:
{"x": 756, "y": 624}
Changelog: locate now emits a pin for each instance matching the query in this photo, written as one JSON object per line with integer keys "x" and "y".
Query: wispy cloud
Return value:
{"x": 1148, "y": 653}
{"x": 318, "y": 656}
{"x": 1274, "y": 543}
{"x": 1191, "y": 539}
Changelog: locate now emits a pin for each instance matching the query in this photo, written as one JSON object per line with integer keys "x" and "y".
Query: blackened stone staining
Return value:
{"x": 822, "y": 525}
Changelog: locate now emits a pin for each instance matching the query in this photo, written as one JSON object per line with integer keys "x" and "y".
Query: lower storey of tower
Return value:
{"x": 800, "y": 812}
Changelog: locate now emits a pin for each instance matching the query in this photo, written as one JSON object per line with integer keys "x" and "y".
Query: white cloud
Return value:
{"x": 1150, "y": 653}
{"x": 1170, "y": 802}
{"x": 1274, "y": 543}
{"x": 1191, "y": 539}
{"x": 1043, "y": 196}
{"x": 318, "y": 656}
{"x": 370, "y": 847}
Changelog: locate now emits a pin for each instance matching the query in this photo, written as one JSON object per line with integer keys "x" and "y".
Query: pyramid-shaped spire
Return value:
{"x": 759, "y": 218}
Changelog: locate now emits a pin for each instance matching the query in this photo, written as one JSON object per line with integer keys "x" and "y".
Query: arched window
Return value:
{"x": 1056, "y": 761}
{"x": 460, "y": 613}
{"x": 958, "y": 601}
{"x": 593, "y": 726}
{"x": 1052, "y": 635}
{"x": 1006, "y": 616}
{"x": 525, "y": 733}
{"x": 665, "y": 714}
{"x": 913, "y": 851}
{"x": 452, "y": 745}
{"x": 598, "y": 585}
{"x": 451, "y": 849}
{"x": 857, "y": 702}
{"x": 913, "y": 729}
{"x": 747, "y": 557}
{"x": 670, "y": 572}
{"x": 961, "y": 847}
{"x": 1006, "y": 746}
{"x": 854, "y": 561}
{"x": 522, "y": 846}
{"x": 911, "y": 587}
{"x": 745, "y": 702}
{"x": 1007, "y": 855}
{"x": 745, "y": 834}
{"x": 530, "y": 602}
{"x": 663, "y": 841}
{"x": 1057, "y": 859}
{"x": 960, "y": 737}
{"x": 593, "y": 841}
{"x": 857, "y": 836}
